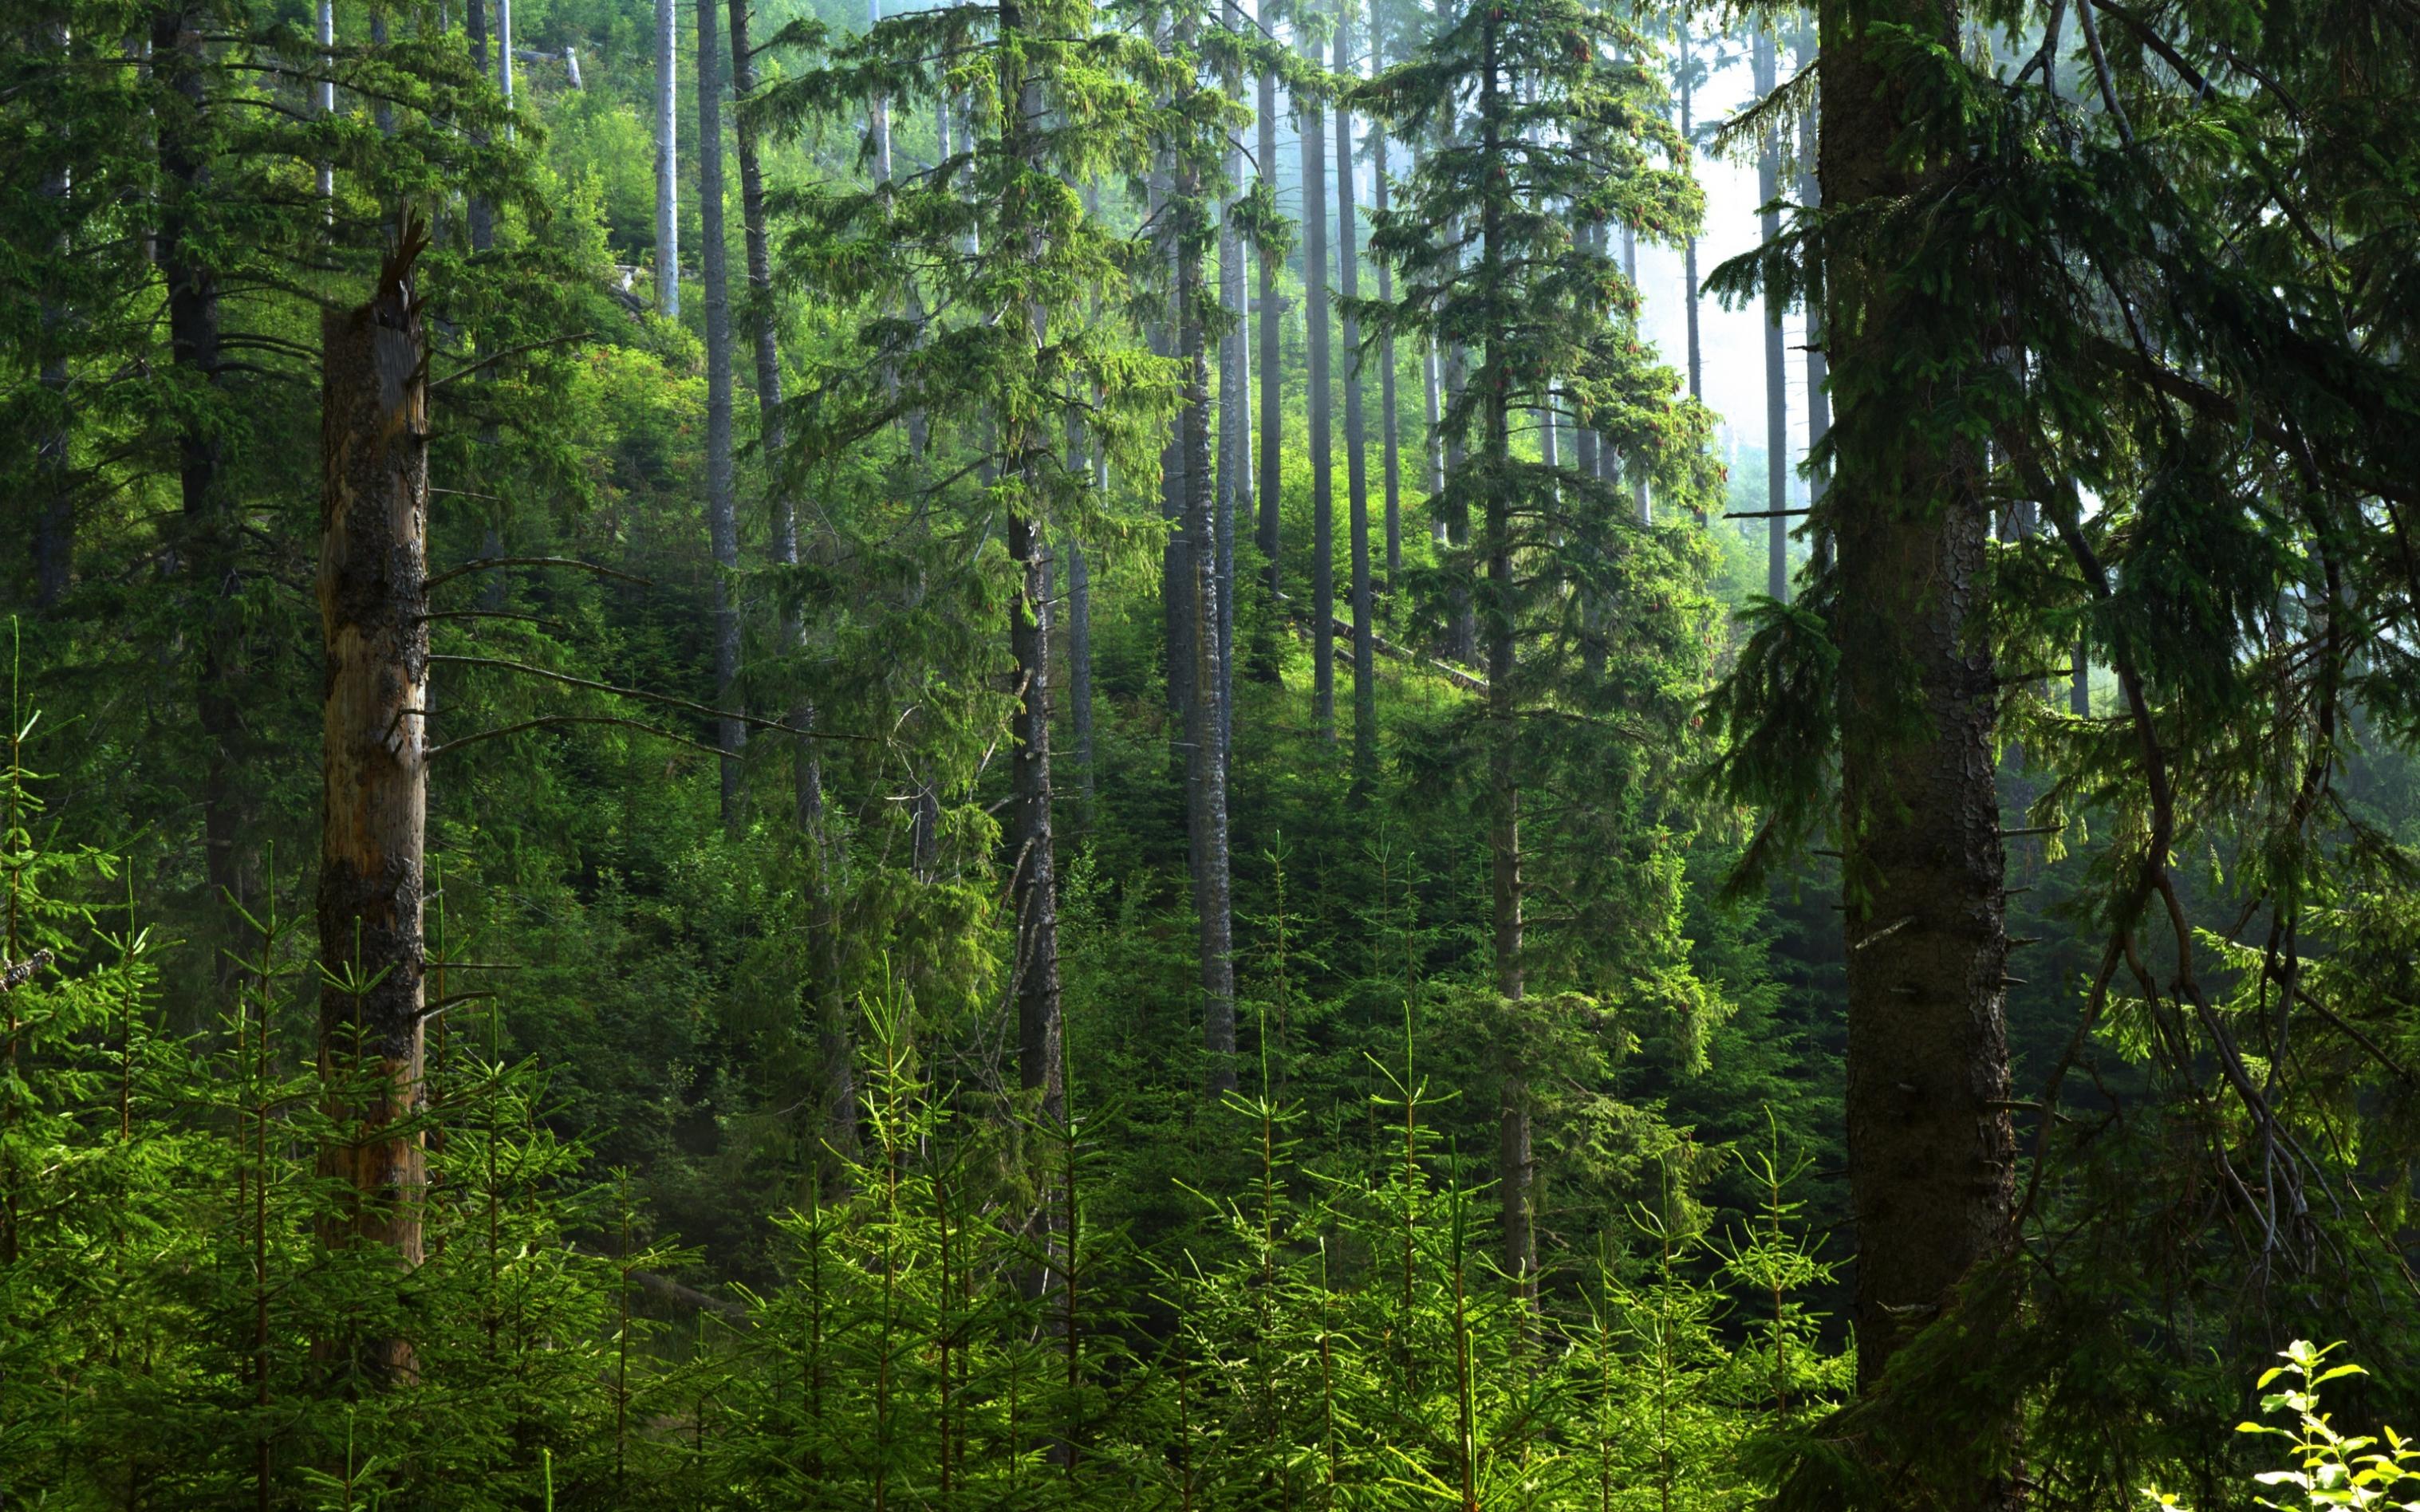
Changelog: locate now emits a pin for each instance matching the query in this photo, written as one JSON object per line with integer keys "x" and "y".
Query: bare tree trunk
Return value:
{"x": 373, "y": 622}
{"x": 667, "y": 160}
{"x": 721, "y": 518}
{"x": 1357, "y": 468}
{"x": 806, "y": 773}
{"x": 1205, "y": 765}
{"x": 1272, "y": 409}
{"x": 877, "y": 114}
{"x": 1689, "y": 249}
{"x": 1765, "y": 66}
{"x": 1235, "y": 411}
{"x": 1818, "y": 401}
{"x": 482, "y": 214}
{"x": 1389, "y": 426}
{"x": 382, "y": 111}
{"x": 1931, "y": 1154}
{"x": 1314, "y": 126}
{"x": 1033, "y": 886}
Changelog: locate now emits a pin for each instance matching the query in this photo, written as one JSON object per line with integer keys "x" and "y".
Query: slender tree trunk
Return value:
{"x": 1931, "y": 1154}
{"x": 667, "y": 159}
{"x": 1206, "y": 766}
{"x": 1314, "y": 126}
{"x": 382, "y": 111}
{"x": 806, "y": 771}
{"x": 1033, "y": 886}
{"x": 54, "y": 507}
{"x": 1431, "y": 412}
{"x": 504, "y": 55}
{"x": 1176, "y": 563}
{"x": 1389, "y": 425}
{"x": 1818, "y": 403}
{"x": 878, "y": 113}
{"x": 1765, "y": 66}
{"x": 373, "y": 622}
{"x": 1689, "y": 248}
{"x": 1587, "y": 446}
{"x": 721, "y": 518}
{"x": 211, "y": 554}
{"x": 475, "y": 20}
{"x": 1272, "y": 416}
{"x": 324, "y": 93}
{"x": 1356, "y": 467}
{"x": 1235, "y": 411}
{"x": 1516, "y": 1173}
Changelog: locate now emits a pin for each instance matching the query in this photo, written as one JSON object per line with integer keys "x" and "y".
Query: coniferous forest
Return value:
{"x": 1143, "y": 754}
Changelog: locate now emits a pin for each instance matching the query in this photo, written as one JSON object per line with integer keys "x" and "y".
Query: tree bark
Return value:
{"x": 1272, "y": 415}
{"x": 1206, "y": 766}
{"x": 482, "y": 214}
{"x": 1314, "y": 126}
{"x": 667, "y": 160}
{"x": 210, "y": 553}
{"x": 1689, "y": 247}
{"x": 1033, "y": 885}
{"x": 1818, "y": 403}
{"x": 772, "y": 436}
{"x": 1932, "y": 1155}
{"x": 1356, "y": 468}
{"x": 1389, "y": 426}
{"x": 373, "y": 595}
{"x": 721, "y": 519}
{"x": 54, "y": 506}
{"x": 1765, "y": 66}
{"x": 1516, "y": 1173}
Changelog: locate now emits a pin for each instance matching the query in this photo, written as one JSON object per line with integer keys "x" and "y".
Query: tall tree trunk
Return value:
{"x": 1516, "y": 1174}
{"x": 475, "y": 20}
{"x": 381, "y": 109}
{"x": 1176, "y": 563}
{"x": 1356, "y": 467}
{"x": 1765, "y": 66}
{"x": 1034, "y": 886}
{"x": 1314, "y": 126}
{"x": 1819, "y": 402}
{"x": 1587, "y": 446}
{"x": 210, "y": 553}
{"x": 829, "y": 1008}
{"x": 1932, "y": 1155}
{"x": 1431, "y": 379}
{"x": 324, "y": 93}
{"x": 373, "y": 629}
{"x": 721, "y": 519}
{"x": 1272, "y": 409}
{"x": 1234, "y": 408}
{"x": 1689, "y": 247}
{"x": 55, "y": 505}
{"x": 1205, "y": 765}
{"x": 1389, "y": 426}
{"x": 878, "y": 113}
{"x": 667, "y": 159}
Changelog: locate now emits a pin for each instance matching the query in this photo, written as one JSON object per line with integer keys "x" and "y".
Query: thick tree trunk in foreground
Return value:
{"x": 1932, "y": 1156}
{"x": 721, "y": 519}
{"x": 374, "y": 629}
{"x": 667, "y": 160}
{"x": 1314, "y": 124}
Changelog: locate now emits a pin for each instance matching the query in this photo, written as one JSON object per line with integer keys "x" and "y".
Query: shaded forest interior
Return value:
{"x": 1320, "y": 754}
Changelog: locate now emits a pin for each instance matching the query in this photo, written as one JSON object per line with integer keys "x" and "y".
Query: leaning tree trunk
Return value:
{"x": 1932, "y": 1155}
{"x": 374, "y": 630}
{"x": 1314, "y": 126}
{"x": 667, "y": 160}
{"x": 721, "y": 522}
{"x": 1356, "y": 467}
{"x": 1777, "y": 370}
{"x": 1205, "y": 772}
